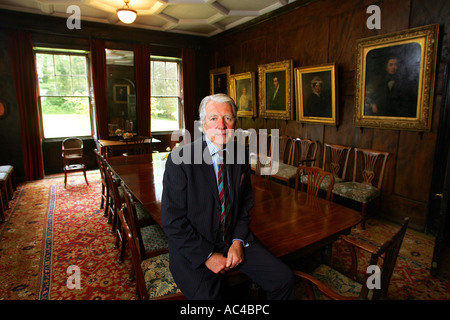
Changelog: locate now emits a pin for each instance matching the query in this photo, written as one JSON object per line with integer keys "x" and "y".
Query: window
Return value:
{"x": 64, "y": 93}
{"x": 165, "y": 94}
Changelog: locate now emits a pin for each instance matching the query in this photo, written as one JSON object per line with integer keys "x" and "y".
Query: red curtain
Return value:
{"x": 25, "y": 83}
{"x": 98, "y": 65}
{"x": 142, "y": 72}
{"x": 188, "y": 74}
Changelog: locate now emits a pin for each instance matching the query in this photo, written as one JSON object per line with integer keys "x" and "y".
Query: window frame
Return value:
{"x": 179, "y": 97}
{"x": 68, "y": 52}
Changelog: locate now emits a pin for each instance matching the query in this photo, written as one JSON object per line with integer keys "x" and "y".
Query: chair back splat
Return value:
{"x": 316, "y": 178}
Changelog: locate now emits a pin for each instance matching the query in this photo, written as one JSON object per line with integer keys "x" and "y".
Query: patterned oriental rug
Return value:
{"x": 54, "y": 237}
{"x": 53, "y": 234}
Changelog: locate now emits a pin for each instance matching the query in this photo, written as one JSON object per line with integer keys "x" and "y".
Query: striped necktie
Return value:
{"x": 225, "y": 215}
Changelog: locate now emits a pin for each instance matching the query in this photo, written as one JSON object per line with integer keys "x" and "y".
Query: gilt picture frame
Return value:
{"x": 121, "y": 92}
{"x": 243, "y": 92}
{"x": 316, "y": 96}
{"x": 275, "y": 81}
{"x": 395, "y": 75}
{"x": 219, "y": 80}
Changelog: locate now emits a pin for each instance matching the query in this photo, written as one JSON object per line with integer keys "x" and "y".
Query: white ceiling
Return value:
{"x": 194, "y": 17}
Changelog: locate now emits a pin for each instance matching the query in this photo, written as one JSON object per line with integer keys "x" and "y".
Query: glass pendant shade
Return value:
{"x": 127, "y": 15}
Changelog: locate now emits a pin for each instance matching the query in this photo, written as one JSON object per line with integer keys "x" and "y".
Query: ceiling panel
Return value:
{"x": 196, "y": 17}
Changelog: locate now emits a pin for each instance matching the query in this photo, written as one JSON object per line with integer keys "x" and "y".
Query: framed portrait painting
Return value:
{"x": 275, "y": 90}
{"x": 120, "y": 93}
{"x": 395, "y": 79}
{"x": 316, "y": 94}
{"x": 243, "y": 92}
{"x": 219, "y": 80}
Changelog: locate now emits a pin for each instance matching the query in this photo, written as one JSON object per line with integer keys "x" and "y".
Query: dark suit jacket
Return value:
{"x": 190, "y": 209}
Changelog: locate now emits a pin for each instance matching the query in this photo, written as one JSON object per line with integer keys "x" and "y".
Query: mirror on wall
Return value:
{"x": 121, "y": 92}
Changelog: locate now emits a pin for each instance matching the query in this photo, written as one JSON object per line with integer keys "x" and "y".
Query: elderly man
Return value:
{"x": 205, "y": 212}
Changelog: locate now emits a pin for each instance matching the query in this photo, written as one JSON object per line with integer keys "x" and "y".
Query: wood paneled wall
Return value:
{"x": 326, "y": 31}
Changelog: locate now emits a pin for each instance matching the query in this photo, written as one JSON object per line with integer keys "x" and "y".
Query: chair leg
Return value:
{"x": 102, "y": 203}
{"x": 363, "y": 214}
{"x": 85, "y": 178}
{"x": 2, "y": 214}
{"x": 65, "y": 178}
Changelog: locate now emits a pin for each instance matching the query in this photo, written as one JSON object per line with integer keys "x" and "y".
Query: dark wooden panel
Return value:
{"x": 327, "y": 31}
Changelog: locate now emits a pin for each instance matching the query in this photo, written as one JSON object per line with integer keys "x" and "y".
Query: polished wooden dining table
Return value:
{"x": 109, "y": 146}
{"x": 285, "y": 221}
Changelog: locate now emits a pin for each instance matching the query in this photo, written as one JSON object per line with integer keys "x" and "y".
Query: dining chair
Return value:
{"x": 286, "y": 170}
{"x": 307, "y": 151}
{"x": 368, "y": 168}
{"x": 136, "y": 145}
{"x": 73, "y": 158}
{"x": 115, "y": 199}
{"x": 335, "y": 160}
{"x": 313, "y": 178}
{"x": 105, "y": 190}
{"x": 327, "y": 282}
{"x": 150, "y": 236}
{"x": 152, "y": 275}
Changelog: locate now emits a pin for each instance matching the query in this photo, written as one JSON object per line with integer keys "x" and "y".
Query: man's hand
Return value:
{"x": 235, "y": 255}
{"x": 216, "y": 263}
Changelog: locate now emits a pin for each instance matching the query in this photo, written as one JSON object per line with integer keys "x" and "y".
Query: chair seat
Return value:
{"x": 142, "y": 214}
{"x": 356, "y": 191}
{"x": 7, "y": 169}
{"x": 325, "y": 183}
{"x": 75, "y": 167}
{"x": 285, "y": 171}
{"x": 158, "y": 278}
{"x": 154, "y": 238}
{"x": 335, "y": 281}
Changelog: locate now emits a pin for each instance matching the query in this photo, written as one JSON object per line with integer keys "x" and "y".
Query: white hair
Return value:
{"x": 220, "y": 98}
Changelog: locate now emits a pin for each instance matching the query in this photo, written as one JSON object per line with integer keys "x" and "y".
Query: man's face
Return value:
{"x": 275, "y": 82}
{"x": 219, "y": 117}
{"x": 392, "y": 66}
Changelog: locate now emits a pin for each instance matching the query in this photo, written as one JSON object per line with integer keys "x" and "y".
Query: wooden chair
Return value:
{"x": 153, "y": 277}
{"x": 335, "y": 160}
{"x": 307, "y": 151}
{"x": 150, "y": 237}
{"x": 334, "y": 285}
{"x": 73, "y": 158}
{"x": 105, "y": 190}
{"x": 314, "y": 178}
{"x": 115, "y": 199}
{"x": 136, "y": 145}
{"x": 369, "y": 166}
{"x": 286, "y": 170}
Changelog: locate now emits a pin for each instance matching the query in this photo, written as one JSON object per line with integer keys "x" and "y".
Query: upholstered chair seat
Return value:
{"x": 356, "y": 191}
{"x": 159, "y": 281}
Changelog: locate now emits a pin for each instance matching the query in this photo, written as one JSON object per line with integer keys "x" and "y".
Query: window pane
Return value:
{"x": 62, "y": 64}
{"x": 164, "y": 114}
{"x": 65, "y": 116}
{"x": 63, "y": 85}
{"x": 158, "y": 87}
{"x": 80, "y": 86}
{"x": 171, "y": 87}
{"x": 171, "y": 70}
{"x": 78, "y": 65}
{"x": 47, "y": 85}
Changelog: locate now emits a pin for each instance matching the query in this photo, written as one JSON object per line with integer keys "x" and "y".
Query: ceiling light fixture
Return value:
{"x": 126, "y": 15}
